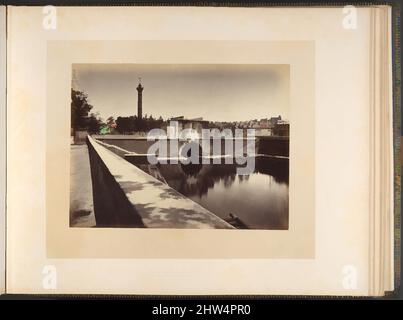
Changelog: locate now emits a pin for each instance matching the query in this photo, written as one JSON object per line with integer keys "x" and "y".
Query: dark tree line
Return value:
{"x": 81, "y": 118}
{"x": 127, "y": 125}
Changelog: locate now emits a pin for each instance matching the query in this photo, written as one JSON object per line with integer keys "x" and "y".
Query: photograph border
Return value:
{"x": 297, "y": 242}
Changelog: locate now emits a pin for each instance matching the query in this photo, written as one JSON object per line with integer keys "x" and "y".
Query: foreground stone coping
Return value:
{"x": 138, "y": 137}
{"x": 117, "y": 149}
{"x": 119, "y": 137}
{"x": 159, "y": 205}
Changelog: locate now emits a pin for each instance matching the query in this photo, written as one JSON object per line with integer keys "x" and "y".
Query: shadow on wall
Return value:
{"x": 111, "y": 206}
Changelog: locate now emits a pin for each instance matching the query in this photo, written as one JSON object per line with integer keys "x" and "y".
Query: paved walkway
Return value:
{"x": 81, "y": 201}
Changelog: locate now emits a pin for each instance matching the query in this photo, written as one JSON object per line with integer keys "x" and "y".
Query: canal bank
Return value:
{"x": 259, "y": 199}
{"x": 126, "y": 196}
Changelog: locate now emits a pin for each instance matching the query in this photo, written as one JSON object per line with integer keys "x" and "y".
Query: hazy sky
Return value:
{"x": 214, "y": 92}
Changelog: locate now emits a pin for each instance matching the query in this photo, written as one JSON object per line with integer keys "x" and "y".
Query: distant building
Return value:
{"x": 274, "y": 120}
{"x": 180, "y": 123}
{"x": 264, "y": 123}
{"x": 281, "y": 129}
{"x": 263, "y": 128}
{"x": 275, "y": 126}
{"x": 263, "y": 132}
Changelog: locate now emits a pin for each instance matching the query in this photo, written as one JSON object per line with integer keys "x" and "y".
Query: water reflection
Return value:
{"x": 260, "y": 199}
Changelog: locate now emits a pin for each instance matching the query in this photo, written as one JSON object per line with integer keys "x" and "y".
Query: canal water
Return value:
{"x": 259, "y": 200}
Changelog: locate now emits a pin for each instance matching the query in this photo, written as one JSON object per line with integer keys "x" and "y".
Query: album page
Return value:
{"x": 3, "y": 149}
{"x": 187, "y": 150}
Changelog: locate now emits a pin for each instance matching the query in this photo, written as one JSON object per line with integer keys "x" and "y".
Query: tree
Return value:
{"x": 125, "y": 125}
{"x": 94, "y": 123}
{"x": 110, "y": 121}
{"x": 80, "y": 109}
{"x": 128, "y": 125}
{"x": 81, "y": 119}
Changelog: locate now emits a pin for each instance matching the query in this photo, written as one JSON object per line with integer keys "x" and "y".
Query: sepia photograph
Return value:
{"x": 199, "y": 146}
